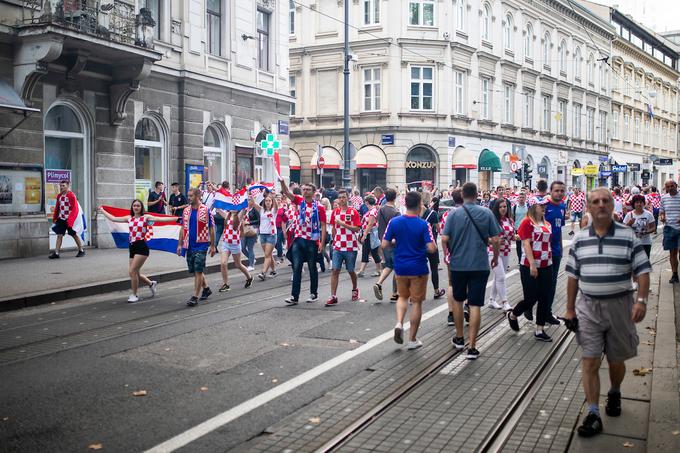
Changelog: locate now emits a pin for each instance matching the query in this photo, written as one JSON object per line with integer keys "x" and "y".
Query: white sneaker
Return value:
{"x": 312, "y": 298}
{"x": 291, "y": 278}
{"x": 414, "y": 344}
{"x": 507, "y": 306}
{"x": 152, "y": 288}
{"x": 495, "y": 305}
{"x": 251, "y": 268}
{"x": 635, "y": 286}
{"x": 133, "y": 298}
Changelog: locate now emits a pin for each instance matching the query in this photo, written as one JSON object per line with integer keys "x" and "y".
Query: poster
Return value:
{"x": 31, "y": 190}
{"x": 52, "y": 180}
{"x": 194, "y": 176}
{"x": 6, "y": 189}
{"x": 142, "y": 189}
{"x": 15, "y": 181}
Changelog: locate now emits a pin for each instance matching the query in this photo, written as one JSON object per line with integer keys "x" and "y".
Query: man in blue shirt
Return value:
{"x": 412, "y": 240}
{"x": 555, "y": 210}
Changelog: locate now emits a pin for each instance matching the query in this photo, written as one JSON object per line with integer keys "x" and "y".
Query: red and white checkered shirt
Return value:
{"x": 231, "y": 235}
{"x": 539, "y": 236}
{"x": 356, "y": 201}
{"x": 506, "y": 236}
{"x": 618, "y": 204}
{"x": 344, "y": 239}
{"x": 654, "y": 199}
{"x": 139, "y": 229}
{"x": 63, "y": 206}
{"x": 304, "y": 231}
{"x": 577, "y": 202}
{"x": 371, "y": 213}
{"x": 442, "y": 222}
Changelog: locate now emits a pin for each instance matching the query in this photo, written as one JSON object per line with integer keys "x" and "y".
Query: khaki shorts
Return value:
{"x": 412, "y": 287}
{"x": 605, "y": 325}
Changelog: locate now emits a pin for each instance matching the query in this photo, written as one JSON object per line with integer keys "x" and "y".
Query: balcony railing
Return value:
{"x": 112, "y": 20}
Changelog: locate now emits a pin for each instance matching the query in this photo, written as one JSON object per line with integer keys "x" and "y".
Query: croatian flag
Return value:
{"x": 239, "y": 200}
{"x": 79, "y": 223}
{"x": 161, "y": 236}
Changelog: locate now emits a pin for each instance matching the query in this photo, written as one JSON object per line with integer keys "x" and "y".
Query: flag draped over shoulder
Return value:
{"x": 239, "y": 200}
{"x": 160, "y": 236}
{"x": 79, "y": 222}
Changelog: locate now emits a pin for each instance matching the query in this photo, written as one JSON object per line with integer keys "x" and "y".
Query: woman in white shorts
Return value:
{"x": 267, "y": 231}
{"x": 231, "y": 245}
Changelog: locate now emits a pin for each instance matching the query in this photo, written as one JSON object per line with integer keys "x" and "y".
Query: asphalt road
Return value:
{"x": 69, "y": 370}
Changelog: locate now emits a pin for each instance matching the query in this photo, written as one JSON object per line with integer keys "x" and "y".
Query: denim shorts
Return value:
{"x": 576, "y": 215}
{"x": 234, "y": 249}
{"x": 388, "y": 255}
{"x": 268, "y": 239}
{"x": 671, "y": 238}
{"x": 196, "y": 261}
{"x": 349, "y": 258}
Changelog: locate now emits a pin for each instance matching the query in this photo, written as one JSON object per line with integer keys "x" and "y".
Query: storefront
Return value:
{"x": 331, "y": 171}
{"x": 462, "y": 161}
{"x": 577, "y": 176}
{"x": 488, "y": 164}
{"x": 591, "y": 171}
{"x": 421, "y": 167}
{"x": 294, "y": 165}
{"x": 371, "y": 168}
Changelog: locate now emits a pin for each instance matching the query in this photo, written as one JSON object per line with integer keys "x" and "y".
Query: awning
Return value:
{"x": 371, "y": 157}
{"x": 463, "y": 158}
{"x": 331, "y": 156}
{"x": 10, "y": 101}
{"x": 293, "y": 160}
{"x": 489, "y": 161}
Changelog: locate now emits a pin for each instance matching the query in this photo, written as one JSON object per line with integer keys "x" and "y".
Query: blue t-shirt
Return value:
{"x": 412, "y": 234}
{"x": 554, "y": 214}
{"x": 193, "y": 229}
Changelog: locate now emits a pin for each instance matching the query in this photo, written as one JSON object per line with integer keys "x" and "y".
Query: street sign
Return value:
{"x": 387, "y": 139}
{"x": 514, "y": 165}
{"x": 321, "y": 162}
{"x": 664, "y": 161}
{"x": 283, "y": 127}
{"x": 452, "y": 141}
{"x": 270, "y": 146}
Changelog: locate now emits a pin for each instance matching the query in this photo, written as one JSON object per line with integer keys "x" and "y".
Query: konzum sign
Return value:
{"x": 419, "y": 164}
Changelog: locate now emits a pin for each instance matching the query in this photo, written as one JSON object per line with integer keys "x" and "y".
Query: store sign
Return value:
{"x": 591, "y": 170}
{"x": 604, "y": 159}
{"x": 633, "y": 167}
{"x": 605, "y": 174}
{"x": 619, "y": 168}
{"x": 645, "y": 174}
{"x": 542, "y": 169}
{"x": 576, "y": 171}
{"x": 387, "y": 139}
{"x": 419, "y": 164}
{"x": 485, "y": 168}
{"x": 664, "y": 161}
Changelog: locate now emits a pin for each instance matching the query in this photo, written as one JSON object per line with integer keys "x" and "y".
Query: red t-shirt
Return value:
{"x": 539, "y": 239}
{"x": 344, "y": 239}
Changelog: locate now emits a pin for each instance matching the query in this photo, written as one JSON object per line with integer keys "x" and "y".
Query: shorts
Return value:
{"x": 349, "y": 258}
{"x": 605, "y": 325}
{"x": 576, "y": 215}
{"x": 61, "y": 228}
{"x": 234, "y": 249}
{"x": 388, "y": 255}
{"x": 671, "y": 238}
{"x": 412, "y": 287}
{"x": 138, "y": 248}
{"x": 196, "y": 261}
{"x": 268, "y": 239}
{"x": 470, "y": 286}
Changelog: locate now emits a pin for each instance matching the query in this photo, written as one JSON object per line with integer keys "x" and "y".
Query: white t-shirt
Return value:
{"x": 267, "y": 221}
{"x": 640, "y": 224}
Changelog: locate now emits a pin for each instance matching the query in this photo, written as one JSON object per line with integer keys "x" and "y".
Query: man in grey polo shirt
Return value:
{"x": 601, "y": 308}
{"x": 669, "y": 214}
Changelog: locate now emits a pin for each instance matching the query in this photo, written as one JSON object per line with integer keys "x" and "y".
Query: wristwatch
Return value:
{"x": 641, "y": 300}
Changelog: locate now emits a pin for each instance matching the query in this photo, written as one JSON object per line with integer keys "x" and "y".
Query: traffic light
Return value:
{"x": 527, "y": 172}
{"x": 518, "y": 175}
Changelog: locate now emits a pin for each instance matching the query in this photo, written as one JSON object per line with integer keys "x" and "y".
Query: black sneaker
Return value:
{"x": 399, "y": 335}
{"x": 53, "y": 256}
{"x": 438, "y": 294}
{"x": 249, "y": 282}
{"x": 80, "y": 254}
{"x": 291, "y": 301}
{"x": 377, "y": 290}
{"x": 458, "y": 342}
{"x": 449, "y": 320}
{"x": 192, "y": 302}
{"x": 553, "y": 321}
{"x": 542, "y": 336}
{"x": 571, "y": 233}
{"x": 514, "y": 323}
{"x": 472, "y": 354}
{"x": 273, "y": 274}
{"x": 466, "y": 313}
{"x": 529, "y": 315}
{"x": 613, "y": 406}
{"x": 674, "y": 279}
{"x": 205, "y": 294}
{"x": 394, "y": 298}
{"x": 591, "y": 426}
{"x": 224, "y": 288}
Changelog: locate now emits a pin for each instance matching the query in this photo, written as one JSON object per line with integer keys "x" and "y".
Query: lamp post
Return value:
{"x": 346, "y": 181}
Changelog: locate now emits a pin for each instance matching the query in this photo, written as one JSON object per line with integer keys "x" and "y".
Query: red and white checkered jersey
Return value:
{"x": 231, "y": 235}
{"x": 356, "y": 201}
{"x": 138, "y": 227}
{"x": 618, "y": 204}
{"x": 506, "y": 237}
{"x": 654, "y": 199}
{"x": 370, "y": 214}
{"x": 577, "y": 202}
{"x": 304, "y": 231}
{"x": 442, "y": 222}
{"x": 344, "y": 239}
{"x": 63, "y": 206}
{"x": 539, "y": 236}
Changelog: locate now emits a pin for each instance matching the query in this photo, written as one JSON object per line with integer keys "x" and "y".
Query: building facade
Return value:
{"x": 447, "y": 92}
{"x": 131, "y": 92}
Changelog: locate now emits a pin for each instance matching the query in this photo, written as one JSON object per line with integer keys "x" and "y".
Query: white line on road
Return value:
{"x": 235, "y": 412}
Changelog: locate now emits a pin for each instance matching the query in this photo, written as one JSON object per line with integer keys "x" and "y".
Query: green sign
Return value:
{"x": 270, "y": 146}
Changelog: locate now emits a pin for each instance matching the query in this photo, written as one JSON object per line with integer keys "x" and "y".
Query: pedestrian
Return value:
{"x": 177, "y": 201}
{"x": 281, "y": 221}
{"x": 197, "y": 239}
{"x": 156, "y": 201}
{"x": 267, "y": 210}
{"x": 499, "y": 294}
{"x": 219, "y": 220}
{"x": 231, "y": 245}
{"x": 642, "y": 222}
{"x": 618, "y": 204}
{"x": 331, "y": 193}
{"x": 379, "y": 195}
{"x": 309, "y": 235}
{"x": 412, "y": 240}
{"x": 669, "y": 214}
{"x": 654, "y": 199}
{"x": 346, "y": 224}
{"x": 356, "y": 201}
{"x": 555, "y": 213}
{"x": 519, "y": 212}
{"x": 430, "y": 215}
{"x": 64, "y": 218}
{"x": 541, "y": 192}
{"x": 323, "y": 256}
{"x": 457, "y": 197}
{"x": 577, "y": 202}
{"x": 251, "y": 227}
{"x": 467, "y": 233}
{"x": 139, "y": 225}
{"x": 385, "y": 214}
{"x": 535, "y": 271}
{"x": 601, "y": 307}
{"x": 370, "y": 241}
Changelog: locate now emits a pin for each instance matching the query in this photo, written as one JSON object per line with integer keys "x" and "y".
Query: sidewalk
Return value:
{"x": 101, "y": 270}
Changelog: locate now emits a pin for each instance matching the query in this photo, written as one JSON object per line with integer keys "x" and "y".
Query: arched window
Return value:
{"x": 547, "y": 43}
{"x": 562, "y": 53}
{"x": 590, "y": 68}
{"x": 577, "y": 64}
{"x": 149, "y": 156}
{"x": 507, "y": 32}
{"x": 213, "y": 155}
{"x": 421, "y": 166}
{"x": 528, "y": 41}
{"x": 486, "y": 22}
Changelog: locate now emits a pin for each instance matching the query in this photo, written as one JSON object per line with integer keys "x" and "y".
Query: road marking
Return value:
{"x": 240, "y": 410}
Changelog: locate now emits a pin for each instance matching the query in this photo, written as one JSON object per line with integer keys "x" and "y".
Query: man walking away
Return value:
{"x": 467, "y": 233}
{"x": 669, "y": 214}
{"x": 346, "y": 224}
{"x": 555, "y": 211}
{"x": 412, "y": 240}
{"x": 601, "y": 308}
{"x": 64, "y": 216}
{"x": 385, "y": 214}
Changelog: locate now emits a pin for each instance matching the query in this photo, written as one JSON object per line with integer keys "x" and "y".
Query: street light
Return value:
{"x": 346, "y": 180}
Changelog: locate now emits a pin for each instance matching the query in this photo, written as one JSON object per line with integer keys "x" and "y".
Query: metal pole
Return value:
{"x": 346, "y": 180}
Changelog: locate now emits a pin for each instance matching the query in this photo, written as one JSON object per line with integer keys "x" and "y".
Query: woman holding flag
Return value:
{"x": 139, "y": 225}
{"x": 267, "y": 230}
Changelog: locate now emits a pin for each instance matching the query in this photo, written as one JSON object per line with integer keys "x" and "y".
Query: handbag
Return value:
{"x": 249, "y": 231}
{"x": 373, "y": 237}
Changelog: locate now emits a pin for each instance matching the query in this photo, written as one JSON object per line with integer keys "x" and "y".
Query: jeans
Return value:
{"x": 219, "y": 229}
{"x": 247, "y": 247}
{"x": 519, "y": 251}
{"x": 556, "y": 260}
{"x": 279, "y": 243}
{"x": 304, "y": 251}
{"x": 535, "y": 290}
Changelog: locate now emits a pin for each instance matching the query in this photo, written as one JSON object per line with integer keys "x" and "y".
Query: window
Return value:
{"x": 508, "y": 104}
{"x": 291, "y": 17}
{"x": 154, "y": 6}
{"x": 293, "y": 93}
{"x": 603, "y": 76}
{"x": 460, "y": 15}
{"x": 637, "y": 128}
{"x": 486, "y": 99}
{"x": 149, "y": 154}
{"x": 646, "y": 137}
{"x": 562, "y": 122}
{"x": 615, "y": 124}
{"x": 528, "y": 41}
{"x": 577, "y": 121}
{"x": 590, "y": 124}
{"x": 562, "y": 54}
{"x": 590, "y": 68}
{"x": 263, "y": 40}
{"x": 626, "y": 126}
{"x": 664, "y": 138}
{"x": 546, "y": 113}
{"x": 528, "y": 116}
{"x": 459, "y": 85}
{"x": 371, "y": 12}
{"x": 486, "y": 22}
{"x": 213, "y": 11}
{"x": 546, "y": 49}
{"x": 656, "y": 134}
{"x": 577, "y": 64}
{"x": 371, "y": 89}
{"x": 603, "y": 127}
{"x": 421, "y": 88}
{"x": 421, "y": 12}
{"x": 213, "y": 154}
{"x": 507, "y": 32}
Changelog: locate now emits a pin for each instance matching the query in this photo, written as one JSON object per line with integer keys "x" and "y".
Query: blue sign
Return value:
{"x": 664, "y": 162}
{"x": 452, "y": 141}
{"x": 619, "y": 168}
{"x": 604, "y": 158}
{"x": 387, "y": 139}
{"x": 283, "y": 127}
{"x": 605, "y": 174}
